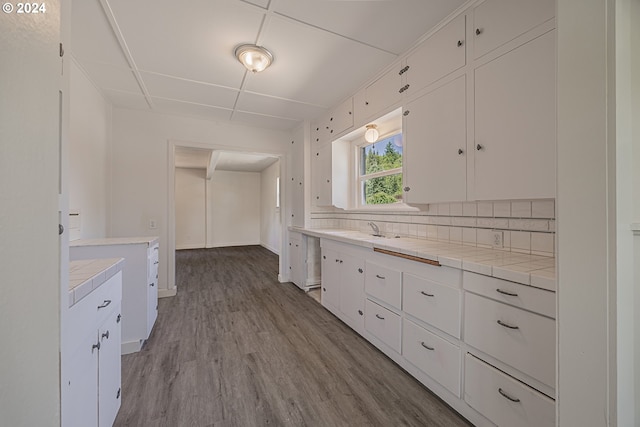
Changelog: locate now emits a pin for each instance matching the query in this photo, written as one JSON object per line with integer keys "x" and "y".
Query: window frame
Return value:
{"x": 361, "y": 179}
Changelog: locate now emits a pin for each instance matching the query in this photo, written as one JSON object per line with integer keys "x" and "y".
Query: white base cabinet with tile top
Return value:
{"x": 139, "y": 282}
{"x": 485, "y": 345}
{"x": 91, "y": 369}
{"x": 304, "y": 270}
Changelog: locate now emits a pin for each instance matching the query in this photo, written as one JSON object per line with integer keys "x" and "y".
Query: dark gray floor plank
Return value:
{"x": 236, "y": 348}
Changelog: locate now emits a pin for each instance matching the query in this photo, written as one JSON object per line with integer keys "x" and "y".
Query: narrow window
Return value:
{"x": 380, "y": 171}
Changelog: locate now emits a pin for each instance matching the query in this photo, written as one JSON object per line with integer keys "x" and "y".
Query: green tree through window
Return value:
{"x": 381, "y": 171}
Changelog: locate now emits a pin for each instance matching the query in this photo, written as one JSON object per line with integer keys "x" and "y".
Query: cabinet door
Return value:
{"x": 330, "y": 296}
{"x": 152, "y": 291}
{"x": 81, "y": 404}
{"x": 296, "y": 258}
{"x": 439, "y": 55}
{"x": 322, "y": 175}
{"x": 296, "y": 182}
{"x": 109, "y": 370}
{"x": 515, "y": 130}
{"x": 352, "y": 290}
{"x": 496, "y": 22}
{"x": 435, "y": 140}
{"x": 382, "y": 93}
{"x": 341, "y": 118}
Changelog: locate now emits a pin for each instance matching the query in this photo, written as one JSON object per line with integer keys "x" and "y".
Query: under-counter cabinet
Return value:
{"x": 91, "y": 392}
{"x": 139, "y": 278}
{"x": 304, "y": 269}
{"x": 435, "y": 161}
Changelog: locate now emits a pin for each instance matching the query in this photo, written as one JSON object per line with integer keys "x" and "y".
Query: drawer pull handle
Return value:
{"x": 104, "y": 304}
{"x": 511, "y": 294}
{"x": 426, "y": 346}
{"x": 506, "y": 325}
{"x": 379, "y": 317}
{"x": 426, "y": 294}
{"x": 506, "y": 396}
{"x": 380, "y": 277}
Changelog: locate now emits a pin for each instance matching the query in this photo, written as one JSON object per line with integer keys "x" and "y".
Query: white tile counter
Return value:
{"x": 114, "y": 241}
{"x": 533, "y": 270}
{"x": 87, "y": 275}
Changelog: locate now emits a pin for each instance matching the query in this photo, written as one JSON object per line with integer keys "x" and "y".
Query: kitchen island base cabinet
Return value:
{"x": 139, "y": 282}
{"x": 504, "y": 400}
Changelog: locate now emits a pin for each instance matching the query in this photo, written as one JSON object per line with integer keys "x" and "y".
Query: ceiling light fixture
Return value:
{"x": 371, "y": 134}
{"x": 255, "y": 58}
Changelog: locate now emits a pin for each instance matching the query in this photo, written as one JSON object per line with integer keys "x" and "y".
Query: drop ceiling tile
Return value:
{"x": 110, "y": 77}
{"x": 403, "y": 22}
{"x": 121, "y": 99}
{"x": 264, "y": 121}
{"x": 314, "y": 66}
{"x": 171, "y": 106}
{"x": 256, "y": 103}
{"x": 189, "y": 91}
{"x": 194, "y": 40}
{"x": 93, "y": 39}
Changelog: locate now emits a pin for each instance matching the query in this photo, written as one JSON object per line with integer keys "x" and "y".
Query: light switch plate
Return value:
{"x": 496, "y": 239}
{"x": 153, "y": 224}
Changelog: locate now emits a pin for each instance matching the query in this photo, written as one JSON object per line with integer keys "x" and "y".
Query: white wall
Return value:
{"x": 30, "y": 253}
{"x": 140, "y": 169}
{"x": 270, "y": 223}
{"x": 191, "y": 214}
{"x": 233, "y": 205}
{"x": 89, "y": 153}
{"x": 586, "y": 214}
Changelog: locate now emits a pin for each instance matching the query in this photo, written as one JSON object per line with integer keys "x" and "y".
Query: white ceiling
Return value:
{"x": 177, "y": 56}
{"x": 200, "y": 158}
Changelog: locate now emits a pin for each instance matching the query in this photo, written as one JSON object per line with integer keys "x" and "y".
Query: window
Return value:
{"x": 380, "y": 171}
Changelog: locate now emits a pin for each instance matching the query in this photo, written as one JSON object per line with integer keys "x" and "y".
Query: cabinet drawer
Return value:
{"x": 503, "y": 400}
{"x": 523, "y": 340}
{"x": 434, "y": 356}
{"x": 534, "y": 299}
{"x": 435, "y": 304}
{"x": 383, "y": 324}
{"x": 383, "y": 283}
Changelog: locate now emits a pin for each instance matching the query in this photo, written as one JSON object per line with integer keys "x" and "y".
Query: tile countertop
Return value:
{"x": 114, "y": 241}
{"x": 533, "y": 270}
{"x": 87, "y": 275}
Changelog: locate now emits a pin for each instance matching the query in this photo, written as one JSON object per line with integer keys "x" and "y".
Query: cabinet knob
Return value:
{"x": 324, "y": 257}
{"x": 479, "y": 147}
{"x": 460, "y": 43}
{"x": 150, "y": 284}
{"x": 460, "y": 151}
{"x": 366, "y": 102}
{"x": 327, "y": 180}
{"x": 118, "y": 318}
{"x": 478, "y": 31}
{"x": 407, "y": 188}
{"x": 118, "y": 394}
{"x": 406, "y": 113}
{"x": 360, "y": 312}
{"x": 324, "y": 289}
{"x": 360, "y": 271}
{"x": 60, "y": 229}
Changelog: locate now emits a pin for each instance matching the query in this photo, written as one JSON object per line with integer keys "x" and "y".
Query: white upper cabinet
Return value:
{"x": 439, "y": 55}
{"x": 435, "y": 165}
{"x": 515, "y": 132}
{"x": 497, "y": 22}
{"x": 333, "y": 123}
{"x": 382, "y": 94}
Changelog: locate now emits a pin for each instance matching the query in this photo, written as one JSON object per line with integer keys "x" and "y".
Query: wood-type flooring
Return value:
{"x": 236, "y": 348}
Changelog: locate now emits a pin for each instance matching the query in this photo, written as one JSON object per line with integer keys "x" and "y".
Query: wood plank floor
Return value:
{"x": 236, "y": 348}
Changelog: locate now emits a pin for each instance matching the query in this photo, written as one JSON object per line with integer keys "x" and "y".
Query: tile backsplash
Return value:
{"x": 525, "y": 226}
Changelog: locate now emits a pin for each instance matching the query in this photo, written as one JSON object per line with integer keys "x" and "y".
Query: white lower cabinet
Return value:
{"x": 384, "y": 324}
{"x": 504, "y": 400}
{"x": 519, "y": 338}
{"x": 384, "y": 283}
{"x": 433, "y": 355}
{"x": 109, "y": 370}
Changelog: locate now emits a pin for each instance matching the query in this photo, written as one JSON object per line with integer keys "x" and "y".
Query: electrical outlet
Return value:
{"x": 152, "y": 224}
{"x": 496, "y": 239}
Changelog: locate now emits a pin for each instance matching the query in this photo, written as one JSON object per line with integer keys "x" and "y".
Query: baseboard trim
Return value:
{"x": 131, "y": 347}
{"x": 269, "y": 248}
{"x": 164, "y": 293}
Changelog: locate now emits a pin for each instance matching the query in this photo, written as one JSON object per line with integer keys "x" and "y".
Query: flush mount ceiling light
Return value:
{"x": 255, "y": 58}
{"x": 371, "y": 134}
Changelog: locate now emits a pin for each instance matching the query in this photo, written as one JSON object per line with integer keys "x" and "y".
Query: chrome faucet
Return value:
{"x": 375, "y": 228}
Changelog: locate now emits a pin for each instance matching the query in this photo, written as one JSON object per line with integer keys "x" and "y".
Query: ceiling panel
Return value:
{"x": 121, "y": 99}
{"x": 393, "y": 26}
{"x": 192, "y": 110}
{"x": 92, "y": 37}
{"x": 110, "y": 77}
{"x": 262, "y": 3}
{"x": 189, "y": 91}
{"x": 194, "y": 40}
{"x": 259, "y": 120}
{"x": 312, "y": 65}
{"x": 256, "y": 103}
